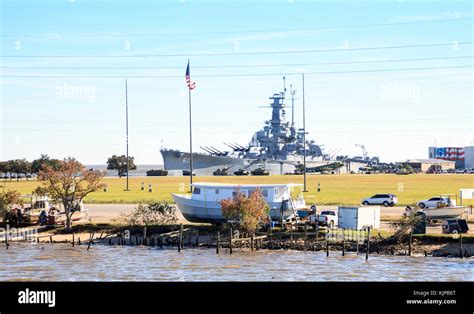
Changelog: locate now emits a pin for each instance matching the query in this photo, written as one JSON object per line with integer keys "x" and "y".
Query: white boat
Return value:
{"x": 203, "y": 204}
{"x": 444, "y": 212}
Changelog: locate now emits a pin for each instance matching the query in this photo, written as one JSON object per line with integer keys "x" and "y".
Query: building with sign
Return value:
{"x": 462, "y": 156}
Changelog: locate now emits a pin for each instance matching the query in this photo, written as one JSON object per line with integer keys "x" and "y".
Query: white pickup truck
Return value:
{"x": 326, "y": 218}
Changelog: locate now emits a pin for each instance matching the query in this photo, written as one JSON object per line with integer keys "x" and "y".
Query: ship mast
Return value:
{"x": 292, "y": 92}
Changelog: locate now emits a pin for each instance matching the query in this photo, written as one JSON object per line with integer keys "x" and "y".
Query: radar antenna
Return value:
{"x": 292, "y": 92}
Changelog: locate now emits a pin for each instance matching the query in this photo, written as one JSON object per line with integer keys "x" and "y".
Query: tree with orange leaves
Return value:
{"x": 69, "y": 183}
{"x": 247, "y": 212}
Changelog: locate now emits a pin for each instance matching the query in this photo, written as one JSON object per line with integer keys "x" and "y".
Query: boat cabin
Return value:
{"x": 272, "y": 193}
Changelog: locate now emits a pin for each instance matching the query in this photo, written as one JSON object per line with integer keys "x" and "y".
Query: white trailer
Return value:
{"x": 358, "y": 217}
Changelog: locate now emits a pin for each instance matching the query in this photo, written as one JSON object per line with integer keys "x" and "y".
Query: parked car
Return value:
{"x": 327, "y": 218}
{"x": 381, "y": 199}
{"x": 433, "y": 202}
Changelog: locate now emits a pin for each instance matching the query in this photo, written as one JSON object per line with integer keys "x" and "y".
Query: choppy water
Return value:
{"x": 61, "y": 262}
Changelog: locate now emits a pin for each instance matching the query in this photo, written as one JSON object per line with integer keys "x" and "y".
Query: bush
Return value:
{"x": 247, "y": 213}
{"x": 153, "y": 213}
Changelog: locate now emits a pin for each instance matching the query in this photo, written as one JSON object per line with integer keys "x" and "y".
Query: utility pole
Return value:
{"x": 304, "y": 140}
{"x": 126, "y": 127}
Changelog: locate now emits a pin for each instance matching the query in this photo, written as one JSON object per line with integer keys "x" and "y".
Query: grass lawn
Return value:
{"x": 335, "y": 189}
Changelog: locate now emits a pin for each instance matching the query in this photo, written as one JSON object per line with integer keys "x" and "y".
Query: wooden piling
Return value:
{"x": 50, "y": 239}
{"x": 79, "y": 240}
{"x": 110, "y": 241}
{"x": 180, "y": 240}
{"x": 327, "y": 248}
{"x": 73, "y": 239}
{"x": 410, "y": 242}
{"x": 90, "y": 241}
{"x": 197, "y": 238}
{"x": 230, "y": 240}
{"x": 317, "y": 227}
{"x": 368, "y": 244}
{"x": 460, "y": 246}
{"x": 251, "y": 242}
{"x": 270, "y": 237}
{"x": 218, "y": 240}
{"x": 343, "y": 241}
{"x": 160, "y": 242}
{"x": 144, "y": 233}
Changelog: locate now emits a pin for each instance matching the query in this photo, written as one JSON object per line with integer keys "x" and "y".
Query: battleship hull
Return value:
{"x": 176, "y": 161}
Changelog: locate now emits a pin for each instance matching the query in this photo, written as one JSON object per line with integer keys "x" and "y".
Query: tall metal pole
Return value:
{"x": 126, "y": 119}
{"x": 190, "y": 144}
{"x": 292, "y": 92}
{"x": 304, "y": 141}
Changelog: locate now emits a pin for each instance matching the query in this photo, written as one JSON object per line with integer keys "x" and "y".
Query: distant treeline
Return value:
{"x": 19, "y": 168}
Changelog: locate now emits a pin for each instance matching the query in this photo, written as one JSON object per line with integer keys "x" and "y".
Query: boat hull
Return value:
{"x": 444, "y": 213}
{"x": 210, "y": 211}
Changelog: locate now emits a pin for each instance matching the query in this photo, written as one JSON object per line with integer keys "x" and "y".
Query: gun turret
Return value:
{"x": 218, "y": 151}
{"x": 206, "y": 150}
{"x": 231, "y": 146}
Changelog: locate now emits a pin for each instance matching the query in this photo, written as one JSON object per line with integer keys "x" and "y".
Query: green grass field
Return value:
{"x": 335, "y": 189}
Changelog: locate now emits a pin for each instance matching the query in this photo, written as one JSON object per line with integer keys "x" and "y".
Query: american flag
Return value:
{"x": 191, "y": 84}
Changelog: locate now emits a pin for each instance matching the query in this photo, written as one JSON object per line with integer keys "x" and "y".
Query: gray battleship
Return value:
{"x": 278, "y": 147}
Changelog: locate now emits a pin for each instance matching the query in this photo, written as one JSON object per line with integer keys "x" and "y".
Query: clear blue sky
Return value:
{"x": 396, "y": 114}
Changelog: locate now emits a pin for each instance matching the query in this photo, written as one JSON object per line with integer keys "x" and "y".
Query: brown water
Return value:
{"x": 61, "y": 262}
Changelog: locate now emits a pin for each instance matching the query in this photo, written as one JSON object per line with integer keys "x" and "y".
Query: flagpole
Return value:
{"x": 126, "y": 119}
{"x": 304, "y": 141}
{"x": 190, "y": 142}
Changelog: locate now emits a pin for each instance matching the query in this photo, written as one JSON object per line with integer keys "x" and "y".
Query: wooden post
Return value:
{"x": 368, "y": 244}
{"x": 50, "y": 239}
{"x": 327, "y": 248}
{"x": 270, "y": 236}
{"x": 410, "y": 242}
{"x": 343, "y": 241}
{"x": 160, "y": 241}
{"x": 218, "y": 240}
{"x": 79, "y": 240}
{"x": 110, "y": 241}
{"x": 357, "y": 247}
{"x": 90, "y": 241}
{"x": 197, "y": 238}
{"x": 251, "y": 242}
{"x": 180, "y": 241}
{"x": 305, "y": 231}
{"x": 230, "y": 241}
{"x": 144, "y": 234}
{"x": 460, "y": 246}
{"x": 73, "y": 239}
{"x": 317, "y": 227}
{"x": 6, "y": 239}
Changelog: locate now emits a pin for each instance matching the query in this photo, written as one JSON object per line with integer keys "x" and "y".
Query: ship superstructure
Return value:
{"x": 278, "y": 147}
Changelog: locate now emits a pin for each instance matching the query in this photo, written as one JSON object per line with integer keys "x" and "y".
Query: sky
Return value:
{"x": 396, "y": 100}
